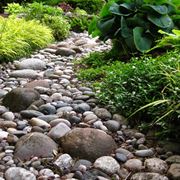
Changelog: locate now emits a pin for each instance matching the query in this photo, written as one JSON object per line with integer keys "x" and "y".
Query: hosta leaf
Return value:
{"x": 114, "y": 9}
{"x": 142, "y": 42}
{"x": 163, "y": 21}
{"x": 125, "y": 31}
{"x": 160, "y": 9}
{"x": 105, "y": 25}
{"x": 124, "y": 9}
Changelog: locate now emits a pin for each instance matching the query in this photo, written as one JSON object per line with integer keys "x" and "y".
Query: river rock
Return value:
{"x": 59, "y": 131}
{"x": 34, "y": 144}
{"x": 81, "y": 108}
{"x": 173, "y": 159}
{"x": 39, "y": 122}
{"x": 107, "y": 164}
{"x": 20, "y": 98}
{"x": 87, "y": 143}
{"x": 144, "y": 153}
{"x": 24, "y": 73}
{"x": 30, "y": 113}
{"x": 125, "y": 152}
{"x": 112, "y": 125}
{"x": 65, "y": 51}
{"x": 64, "y": 162}
{"x": 39, "y": 83}
{"x": 31, "y": 63}
{"x": 9, "y": 116}
{"x": 174, "y": 171}
{"x": 134, "y": 165}
{"x": 102, "y": 113}
{"x": 148, "y": 176}
{"x": 18, "y": 173}
{"x": 156, "y": 165}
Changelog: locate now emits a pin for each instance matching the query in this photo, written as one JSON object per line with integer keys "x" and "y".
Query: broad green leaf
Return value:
{"x": 142, "y": 42}
{"x": 105, "y": 25}
{"x": 163, "y": 21}
{"x": 125, "y": 31}
{"x": 105, "y": 10}
{"x": 176, "y": 32}
{"x": 114, "y": 9}
{"x": 161, "y": 9}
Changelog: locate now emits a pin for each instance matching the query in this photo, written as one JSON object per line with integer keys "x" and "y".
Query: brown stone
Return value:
{"x": 34, "y": 144}
{"x": 87, "y": 143}
{"x": 33, "y": 84}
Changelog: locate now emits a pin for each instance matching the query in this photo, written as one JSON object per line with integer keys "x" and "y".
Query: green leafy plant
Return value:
{"x": 79, "y": 20}
{"x": 19, "y": 37}
{"x": 59, "y": 25}
{"x": 133, "y": 25}
{"x": 47, "y": 15}
{"x": 91, "y": 6}
{"x": 147, "y": 90}
{"x": 169, "y": 40}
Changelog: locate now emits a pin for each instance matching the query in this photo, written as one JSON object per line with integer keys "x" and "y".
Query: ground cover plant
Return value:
{"x": 47, "y": 15}
{"x": 133, "y": 25}
{"x": 20, "y": 37}
{"x": 146, "y": 90}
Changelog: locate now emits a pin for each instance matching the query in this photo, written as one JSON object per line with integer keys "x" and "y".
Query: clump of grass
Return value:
{"x": 19, "y": 37}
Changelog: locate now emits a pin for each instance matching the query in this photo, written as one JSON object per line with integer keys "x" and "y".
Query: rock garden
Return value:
{"x": 75, "y": 107}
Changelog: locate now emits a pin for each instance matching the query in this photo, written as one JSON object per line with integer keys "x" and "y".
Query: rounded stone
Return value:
{"x": 121, "y": 157}
{"x": 18, "y": 173}
{"x": 112, "y": 125}
{"x": 102, "y": 113}
{"x": 87, "y": 143}
{"x": 30, "y": 113}
{"x": 64, "y": 162}
{"x": 24, "y": 73}
{"x": 90, "y": 117}
{"x": 34, "y": 144}
{"x": 134, "y": 164}
{"x": 39, "y": 83}
{"x": 8, "y": 116}
{"x": 31, "y": 63}
{"x": 173, "y": 159}
{"x": 156, "y": 165}
{"x": 20, "y": 98}
{"x": 148, "y": 176}
{"x": 107, "y": 164}
{"x": 174, "y": 171}
{"x": 39, "y": 122}
{"x": 144, "y": 153}
{"x": 81, "y": 108}
{"x": 127, "y": 153}
{"x": 47, "y": 109}
{"x": 59, "y": 131}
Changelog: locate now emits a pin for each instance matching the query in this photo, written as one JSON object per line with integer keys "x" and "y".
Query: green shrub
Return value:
{"x": 91, "y": 6}
{"x": 133, "y": 25}
{"x": 169, "y": 39}
{"x": 20, "y": 37}
{"x": 79, "y": 20}
{"x": 48, "y": 2}
{"x": 59, "y": 25}
{"x": 50, "y": 16}
{"x": 128, "y": 87}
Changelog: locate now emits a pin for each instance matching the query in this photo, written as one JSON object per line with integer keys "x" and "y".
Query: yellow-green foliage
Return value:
{"x": 19, "y": 37}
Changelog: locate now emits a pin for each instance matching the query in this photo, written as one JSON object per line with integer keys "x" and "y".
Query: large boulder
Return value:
{"x": 20, "y": 98}
{"x": 87, "y": 143}
{"x": 34, "y": 144}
